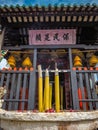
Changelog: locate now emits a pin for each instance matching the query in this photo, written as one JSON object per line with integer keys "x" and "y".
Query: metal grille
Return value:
{"x": 85, "y": 95}
{"x": 20, "y": 89}
{"x": 79, "y": 91}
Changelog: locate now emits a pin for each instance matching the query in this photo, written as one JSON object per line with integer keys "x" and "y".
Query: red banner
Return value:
{"x": 52, "y": 37}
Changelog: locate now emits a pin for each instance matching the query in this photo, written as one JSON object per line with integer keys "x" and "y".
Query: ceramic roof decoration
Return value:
{"x": 3, "y": 52}
{"x": 44, "y": 3}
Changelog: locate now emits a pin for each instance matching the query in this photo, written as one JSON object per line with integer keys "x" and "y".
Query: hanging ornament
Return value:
{"x": 77, "y": 58}
{"x": 12, "y": 61}
{"x": 27, "y": 62}
{"x": 77, "y": 61}
{"x": 93, "y": 60}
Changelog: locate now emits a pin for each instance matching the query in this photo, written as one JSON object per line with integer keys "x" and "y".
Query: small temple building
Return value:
{"x": 49, "y": 64}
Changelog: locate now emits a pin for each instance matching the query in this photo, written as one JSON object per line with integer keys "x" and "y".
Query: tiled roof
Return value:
{"x": 63, "y": 13}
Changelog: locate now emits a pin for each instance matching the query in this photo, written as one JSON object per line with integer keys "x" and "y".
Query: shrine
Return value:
{"x": 49, "y": 64}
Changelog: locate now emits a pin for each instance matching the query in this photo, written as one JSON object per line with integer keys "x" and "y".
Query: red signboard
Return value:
{"x": 52, "y": 37}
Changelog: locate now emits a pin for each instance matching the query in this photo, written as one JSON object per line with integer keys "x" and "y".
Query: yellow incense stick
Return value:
{"x": 57, "y": 91}
{"x": 50, "y": 96}
{"x": 40, "y": 89}
{"x": 46, "y": 90}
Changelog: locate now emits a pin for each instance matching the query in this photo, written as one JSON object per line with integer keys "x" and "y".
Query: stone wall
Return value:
{"x": 49, "y": 121}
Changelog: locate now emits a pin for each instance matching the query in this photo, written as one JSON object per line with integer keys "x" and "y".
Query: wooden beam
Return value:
{"x": 2, "y": 38}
